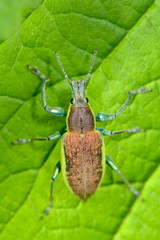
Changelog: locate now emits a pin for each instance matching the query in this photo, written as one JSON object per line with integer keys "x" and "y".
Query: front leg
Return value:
{"x": 56, "y": 111}
{"x": 102, "y": 117}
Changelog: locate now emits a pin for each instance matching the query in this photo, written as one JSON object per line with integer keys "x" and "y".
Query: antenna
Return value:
{"x": 62, "y": 68}
{"x": 91, "y": 66}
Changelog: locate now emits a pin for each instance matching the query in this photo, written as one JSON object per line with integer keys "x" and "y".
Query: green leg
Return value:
{"x": 50, "y": 138}
{"x": 56, "y": 111}
{"x": 110, "y": 162}
{"x": 109, "y": 133}
{"x": 56, "y": 171}
{"x": 102, "y": 117}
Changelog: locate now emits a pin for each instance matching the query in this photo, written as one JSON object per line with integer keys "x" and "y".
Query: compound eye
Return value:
{"x": 87, "y": 99}
{"x": 71, "y": 101}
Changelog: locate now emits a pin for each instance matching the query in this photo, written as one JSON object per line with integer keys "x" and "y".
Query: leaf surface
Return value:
{"x": 126, "y": 34}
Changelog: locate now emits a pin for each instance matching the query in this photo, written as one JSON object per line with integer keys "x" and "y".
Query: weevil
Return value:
{"x": 83, "y": 157}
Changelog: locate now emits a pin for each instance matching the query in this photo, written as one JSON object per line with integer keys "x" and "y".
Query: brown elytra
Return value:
{"x": 82, "y": 147}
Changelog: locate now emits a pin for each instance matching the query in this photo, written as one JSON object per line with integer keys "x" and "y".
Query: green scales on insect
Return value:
{"x": 83, "y": 155}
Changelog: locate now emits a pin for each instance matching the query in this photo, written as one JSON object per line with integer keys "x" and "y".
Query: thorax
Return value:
{"x": 80, "y": 119}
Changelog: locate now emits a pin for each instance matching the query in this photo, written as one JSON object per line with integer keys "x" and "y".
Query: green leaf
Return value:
{"x": 13, "y": 13}
{"x": 126, "y": 34}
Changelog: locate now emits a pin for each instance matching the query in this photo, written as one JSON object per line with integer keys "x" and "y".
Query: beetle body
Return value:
{"x": 83, "y": 160}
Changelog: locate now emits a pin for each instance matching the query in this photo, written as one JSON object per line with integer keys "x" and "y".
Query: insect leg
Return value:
{"x": 110, "y": 162}
{"x": 50, "y": 138}
{"x": 56, "y": 171}
{"x": 102, "y": 117}
{"x": 109, "y": 133}
{"x": 56, "y": 111}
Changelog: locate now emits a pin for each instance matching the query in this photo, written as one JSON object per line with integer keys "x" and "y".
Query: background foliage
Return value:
{"x": 126, "y": 34}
